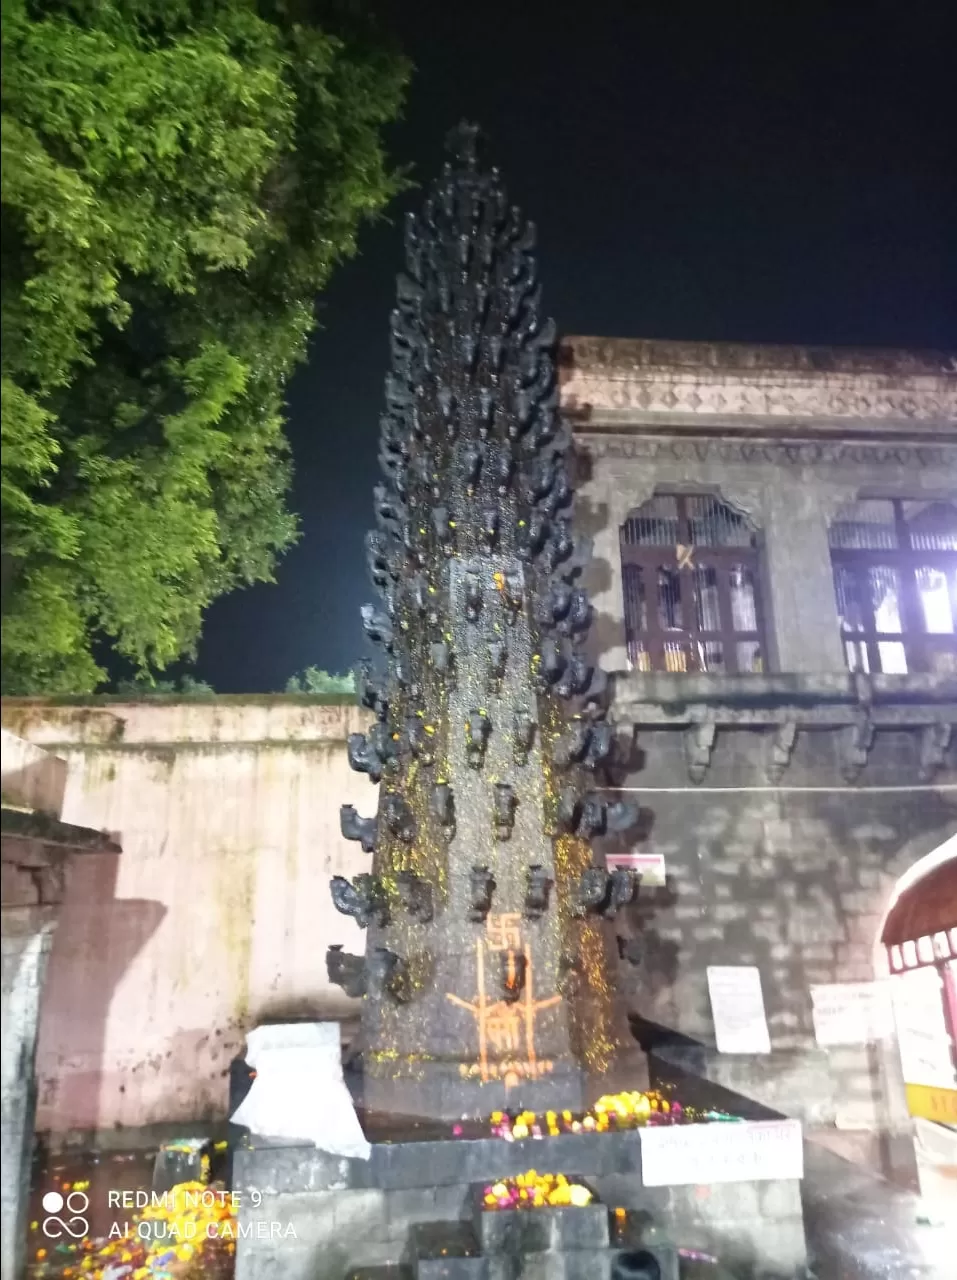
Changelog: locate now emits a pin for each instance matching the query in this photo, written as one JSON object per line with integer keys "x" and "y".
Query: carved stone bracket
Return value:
{"x": 699, "y": 744}
{"x": 850, "y": 708}
{"x": 780, "y": 749}
{"x": 387, "y": 976}
{"x": 856, "y": 742}
{"x": 935, "y": 739}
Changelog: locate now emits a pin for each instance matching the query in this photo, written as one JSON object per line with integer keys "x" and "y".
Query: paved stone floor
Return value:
{"x": 860, "y": 1227}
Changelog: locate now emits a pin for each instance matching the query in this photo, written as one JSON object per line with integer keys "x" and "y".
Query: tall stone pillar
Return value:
{"x": 488, "y": 975}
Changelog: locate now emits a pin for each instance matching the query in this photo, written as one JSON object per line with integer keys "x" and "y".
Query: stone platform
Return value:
{"x": 319, "y": 1217}
{"x": 540, "y": 1244}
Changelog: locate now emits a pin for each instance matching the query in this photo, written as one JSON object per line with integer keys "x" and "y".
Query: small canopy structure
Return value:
{"x": 921, "y": 926}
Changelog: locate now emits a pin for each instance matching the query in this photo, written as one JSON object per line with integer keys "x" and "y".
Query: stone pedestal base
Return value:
{"x": 320, "y": 1217}
{"x": 441, "y": 1093}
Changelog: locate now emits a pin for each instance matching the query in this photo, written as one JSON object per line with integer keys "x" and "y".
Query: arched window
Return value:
{"x": 895, "y": 579}
{"x": 691, "y": 594}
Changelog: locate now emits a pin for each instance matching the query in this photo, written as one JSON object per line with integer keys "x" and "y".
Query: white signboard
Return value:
{"x": 851, "y": 1012}
{"x": 721, "y": 1151}
{"x": 737, "y": 1007}
{"x": 650, "y": 866}
{"x": 921, "y": 1030}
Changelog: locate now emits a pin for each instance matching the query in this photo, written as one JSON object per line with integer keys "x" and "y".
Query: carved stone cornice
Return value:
{"x": 781, "y": 707}
{"x": 631, "y": 355}
{"x": 665, "y": 697}
{"x": 784, "y": 453}
{"x": 654, "y": 382}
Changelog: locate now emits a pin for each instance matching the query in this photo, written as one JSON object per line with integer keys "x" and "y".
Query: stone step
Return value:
{"x": 388, "y": 1271}
{"x": 546, "y": 1230}
{"x": 444, "y": 1251}
{"x": 452, "y": 1269}
{"x": 287, "y": 1167}
{"x": 551, "y": 1243}
{"x": 582, "y": 1264}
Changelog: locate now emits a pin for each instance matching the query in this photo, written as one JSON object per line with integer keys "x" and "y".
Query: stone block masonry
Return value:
{"x": 37, "y": 849}
{"x": 785, "y": 434}
{"x": 794, "y": 878}
{"x": 412, "y": 1200}
{"x": 227, "y": 804}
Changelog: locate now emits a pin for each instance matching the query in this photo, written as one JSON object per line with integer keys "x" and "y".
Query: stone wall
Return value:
{"x": 36, "y": 849}
{"x": 786, "y": 805}
{"x": 794, "y": 877}
{"x": 785, "y": 434}
{"x": 216, "y": 916}
{"x": 336, "y": 1217}
{"x": 26, "y": 942}
{"x": 791, "y": 501}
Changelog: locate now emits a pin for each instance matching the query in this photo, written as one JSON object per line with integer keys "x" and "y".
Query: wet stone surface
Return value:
{"x": 104, "y": 1180}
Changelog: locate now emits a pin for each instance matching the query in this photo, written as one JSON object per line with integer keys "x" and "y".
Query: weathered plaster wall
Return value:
{"x": 32, "y": 778}
{"x": 216, "y": 916}
{"x": 35, "y": 850}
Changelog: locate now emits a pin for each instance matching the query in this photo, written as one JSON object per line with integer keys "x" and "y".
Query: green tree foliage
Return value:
{"x": 312, "y": 680}
{"x": 185, "y": 687}
{"x": 179, "y": 179}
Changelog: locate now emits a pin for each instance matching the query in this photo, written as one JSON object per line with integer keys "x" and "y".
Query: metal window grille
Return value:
{"x": 895, "y": 582}
{"x": 691, "y": 586}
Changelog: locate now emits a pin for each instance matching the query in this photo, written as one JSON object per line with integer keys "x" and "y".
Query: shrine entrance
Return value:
{"x": 918, "y": 939}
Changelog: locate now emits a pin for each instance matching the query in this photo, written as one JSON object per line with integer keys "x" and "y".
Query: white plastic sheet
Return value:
{"x": 299, "y": 1092}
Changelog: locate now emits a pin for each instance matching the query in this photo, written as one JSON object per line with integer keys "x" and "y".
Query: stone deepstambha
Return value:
{"x": 486, "y": 976}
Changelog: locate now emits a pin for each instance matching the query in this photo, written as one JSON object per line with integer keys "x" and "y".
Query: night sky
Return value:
{"x": 735, "y": 177}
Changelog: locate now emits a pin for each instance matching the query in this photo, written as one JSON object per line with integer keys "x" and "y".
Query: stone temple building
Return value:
{"x": 775, "y": 577}
{"x": 775, "y": 562}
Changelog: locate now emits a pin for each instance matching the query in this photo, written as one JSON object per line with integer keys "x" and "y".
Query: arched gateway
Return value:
{"x": 918, "y": 942}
